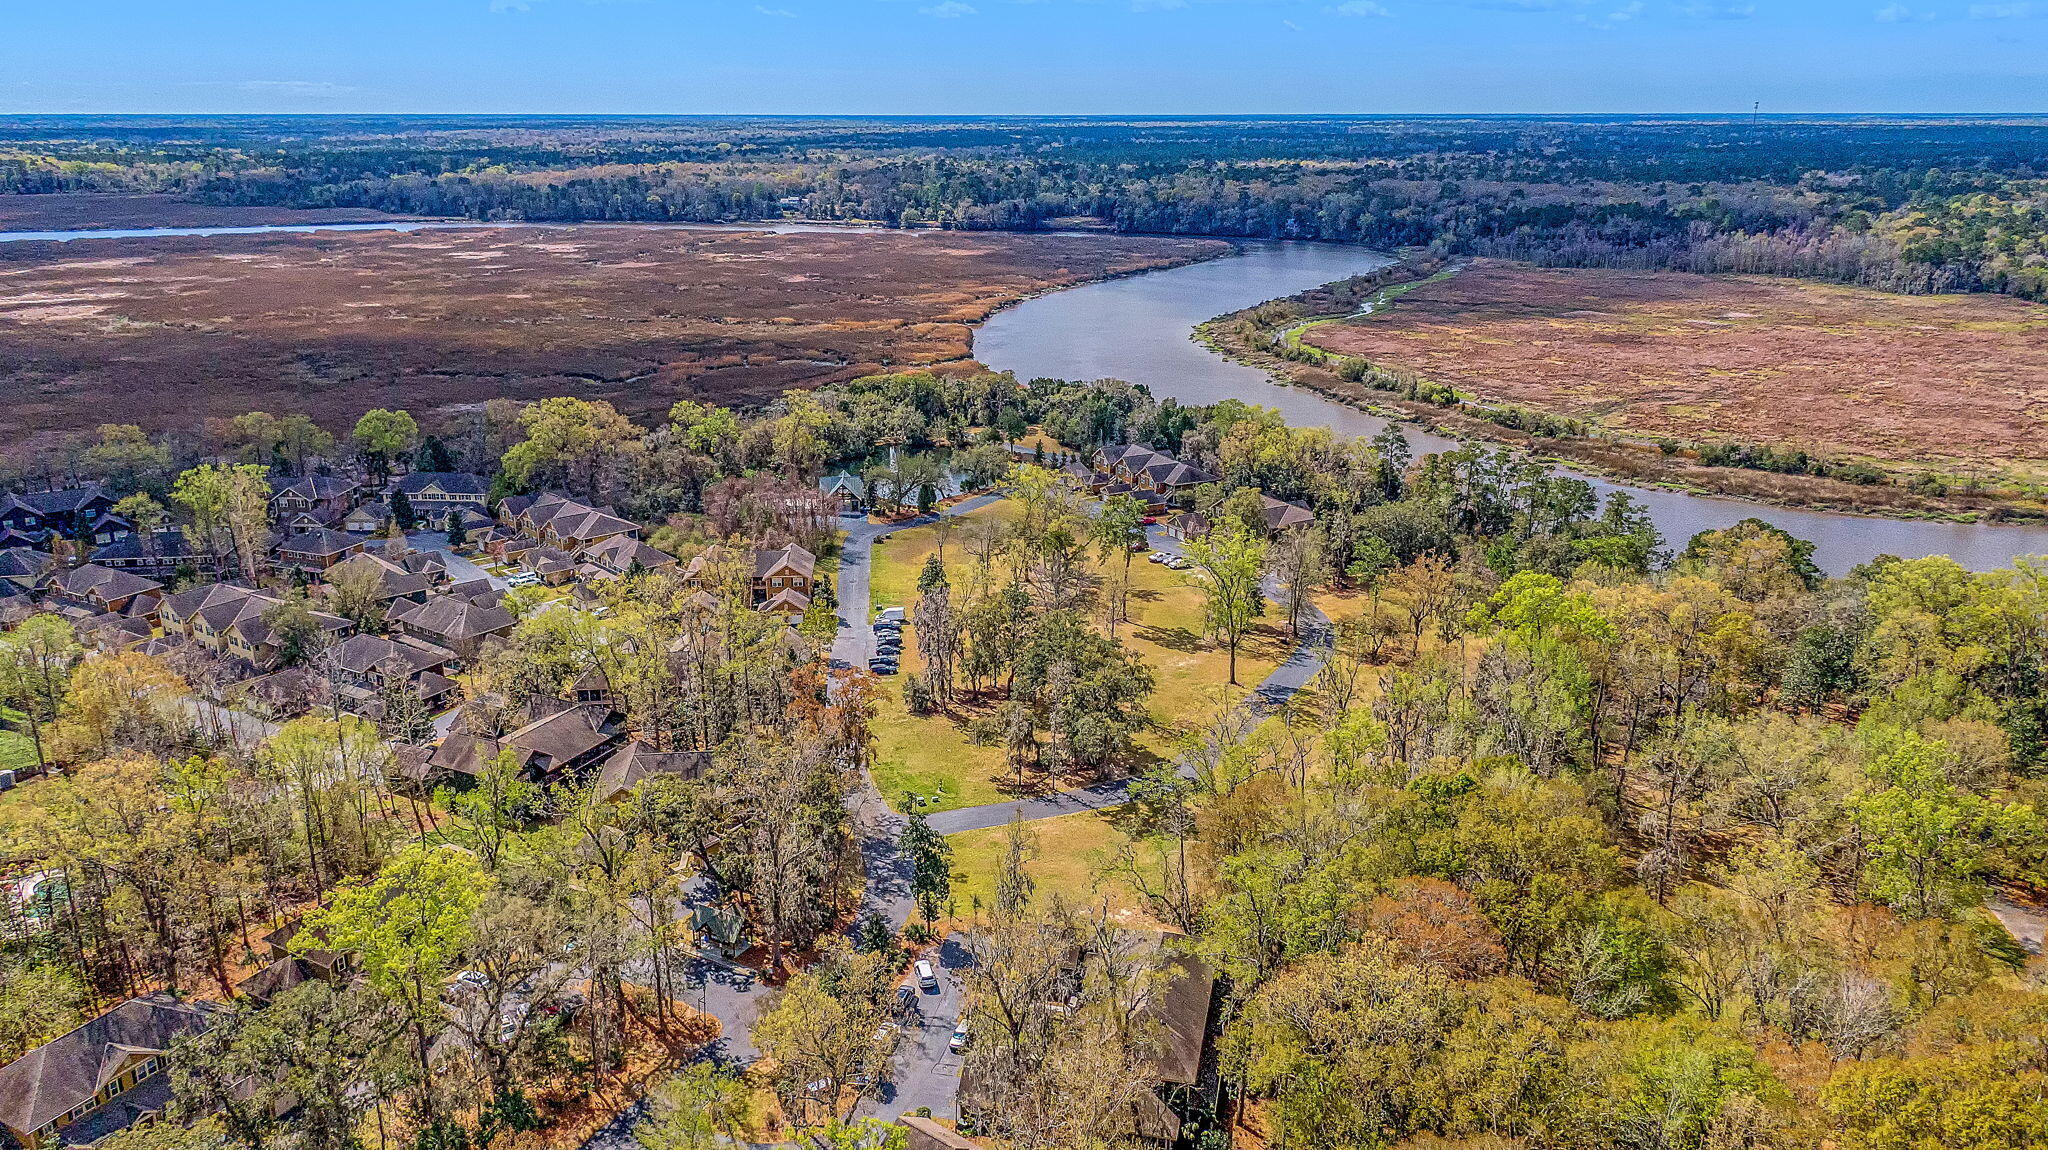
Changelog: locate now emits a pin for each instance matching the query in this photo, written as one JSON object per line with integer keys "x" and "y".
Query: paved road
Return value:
{"x": 927, "y": 1072}
{"x": 460, "y": 570}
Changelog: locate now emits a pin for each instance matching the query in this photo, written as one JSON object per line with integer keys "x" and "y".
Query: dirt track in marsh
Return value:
{"x": 170, "y": 331}
{"x": 1956, "y": 384}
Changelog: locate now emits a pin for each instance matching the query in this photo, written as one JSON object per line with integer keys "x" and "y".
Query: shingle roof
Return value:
{"x": 361, "y": 654}
{"x": 562, "y": 737}
{"x": 452, "y": 618}
{"x": 620, "y": 552}
{"x": 106, "y": 582}
{"x": 63, "y": 501}
{"x": 321, "y": 542}
{"x": 802, "y": 561}
{"x": 634, "y": 763}
{"x": 319, "y": 488}
{"x": 454, "y": 483}
{"x": 170, "y": 546}
{"x": 57, "y": 1076}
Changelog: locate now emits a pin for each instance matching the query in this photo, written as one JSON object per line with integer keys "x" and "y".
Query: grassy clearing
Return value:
{"x": 1068, "y": 856}
{"x": 932, "y": 755}
{"x": 17, "y": 751}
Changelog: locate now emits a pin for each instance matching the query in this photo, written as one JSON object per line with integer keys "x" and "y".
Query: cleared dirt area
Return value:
{"x": 167, "y": 332}
{"x": 1956, "y": 384}
{"x": 71, "y": 211}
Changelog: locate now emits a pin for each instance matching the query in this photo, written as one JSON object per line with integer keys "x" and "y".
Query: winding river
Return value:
{"x": 1138, "y": 328}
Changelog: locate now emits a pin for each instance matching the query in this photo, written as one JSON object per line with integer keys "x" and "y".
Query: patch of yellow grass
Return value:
{"x": 1069, "y": 856}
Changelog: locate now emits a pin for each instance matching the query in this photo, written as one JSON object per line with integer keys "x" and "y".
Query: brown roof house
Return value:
{"x": 633, "y": 764}
{"x": 315, "y": 551}
{"x": 365, "y": 666}
{"x": 564, "y": 523}
{"x": 620, "y": 554}
{"x": 100, "y": 589}
{"x": 101, "y": 1078}
{"x": 567, "y": 743}
{"x": 782, "y": 579}
{"x": 227, "y": 619}
{"x": 459, "y": 624}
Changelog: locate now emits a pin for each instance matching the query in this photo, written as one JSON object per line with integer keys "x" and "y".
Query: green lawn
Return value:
{"x": 17, "y": 751}
{"x": 1068, "y": 856}
{"x": 932, "y": 756}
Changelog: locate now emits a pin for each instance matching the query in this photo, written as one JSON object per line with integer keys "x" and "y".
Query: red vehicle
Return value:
{"x": 1149, "y": 520}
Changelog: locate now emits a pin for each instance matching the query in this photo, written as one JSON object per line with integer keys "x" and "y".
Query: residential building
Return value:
{"x": 158, "y": 557}
{"x": 563, "y": 523}
{"x": 96, "y": 589}
{"x": 1281, "y": 516}
{"x": 366, "y": 518}
{"x": 320, "y": 500}
{"x": 632, "y": 764}
{"x": 313, "y": 552}
{"x": 410, "y": 577}
{"x": 67, "y": 511}
{"x": 228, "y": 620}
{"x": 365, "y": 666}
{"x": 101, "y": 1078}
{"x": 1151, "y": 471}
{"x": 620, "y": 554}
{"x": 458, "y": 624}
{"x": 24, "y": 569}
{"x": 108, "y": 528}
{"x": 433, "y": 494}
{"x": 781, "y": 580}
{"x": 569, "y": 743}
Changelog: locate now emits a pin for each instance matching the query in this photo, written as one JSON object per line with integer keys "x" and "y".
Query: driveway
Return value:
{"x": 460, "y": 570}
{"x": 926, "y": 1071}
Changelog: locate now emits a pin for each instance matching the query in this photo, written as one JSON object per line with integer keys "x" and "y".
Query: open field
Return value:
{"x": 1069, "y": 856}
{"x": 1950, "y": 384}
{"x": 68, "y": 211}
{"x": 933, "y": 755}
{"x": 166, "y": 332}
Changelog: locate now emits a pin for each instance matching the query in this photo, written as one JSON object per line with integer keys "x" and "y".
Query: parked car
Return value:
{"x": 1149, "y": 520}
{"x": 882, "y": 666}
{"x": 1177, "y": 563}
{"x": 959, "y": 1041}
{"x": 906, "y": 1000}
{"x": 927, "y": 978}
{"x": 523, "y": 579}
{"x": 890, "y": 615}
{"x": 1156, "y": 557}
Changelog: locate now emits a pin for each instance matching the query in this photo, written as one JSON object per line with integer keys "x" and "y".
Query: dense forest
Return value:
{"x": 1905, "y": 204}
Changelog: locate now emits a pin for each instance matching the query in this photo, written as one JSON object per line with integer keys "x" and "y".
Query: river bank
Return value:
{"x": 1267, "y": 337}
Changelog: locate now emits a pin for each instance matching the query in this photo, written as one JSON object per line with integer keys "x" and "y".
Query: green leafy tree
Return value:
{"x": 406, "y": 928}
{"x": 1235, "y": 562}
{"x": 36, "y": 661}
{"x": 382, "y": 435}
{"x": 931, "y": 866}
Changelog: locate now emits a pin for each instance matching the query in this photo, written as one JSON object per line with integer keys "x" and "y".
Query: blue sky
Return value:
{"x": 1022, "y": 56}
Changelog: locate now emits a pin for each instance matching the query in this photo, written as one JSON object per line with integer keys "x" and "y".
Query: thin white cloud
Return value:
{"x": 1359, "y": 8}
{"x": 502, "y": 6}
{"x": 777, "y": 13}
{"x": 2023, "y": 10}
{"x": 1706, "y": 10}
{"x": 950, "y": 10}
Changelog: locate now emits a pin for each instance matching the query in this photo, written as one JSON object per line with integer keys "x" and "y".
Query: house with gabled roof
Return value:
{"x": 228, "y": 620}
{"x": 564, "y": 523}
{"x": 433, "y": 494}
{"x": 98, "y": 589}
{"x": 24, "y": 569}
{"x": 100, "y": 1079}
{"x": 781, "y": 580}
{"x": 622, "y": 553}
{"x": 37, "y": 515}
{"x": 319, "y": 499}
{"x": 365, "y": 666}
{"x": 313, "y": 552}
{"x": 569, "y": 743}
{"x": 157, "y": 557}
{"x": 461, "y": 625}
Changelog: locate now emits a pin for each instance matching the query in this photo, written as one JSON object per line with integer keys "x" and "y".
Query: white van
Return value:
{"x": 927, "y": 978}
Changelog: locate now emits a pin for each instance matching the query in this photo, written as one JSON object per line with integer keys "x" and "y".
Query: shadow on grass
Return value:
{"x": 1172, "y": 638}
